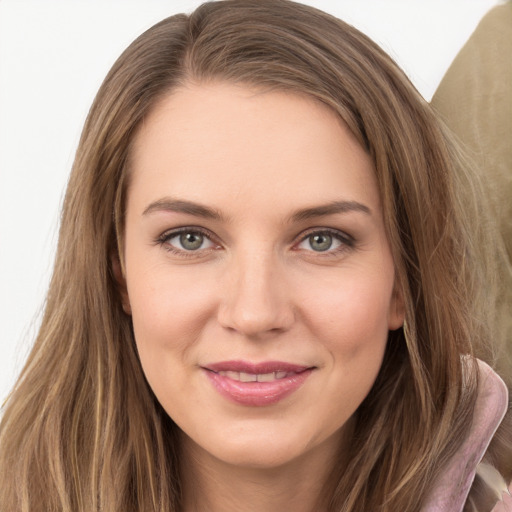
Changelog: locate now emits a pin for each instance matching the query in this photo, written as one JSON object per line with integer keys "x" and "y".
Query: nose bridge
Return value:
{"x": 256, "y": 299}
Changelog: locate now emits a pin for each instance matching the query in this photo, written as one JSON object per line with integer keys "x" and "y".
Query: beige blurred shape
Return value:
{"x": 475, "y": 100}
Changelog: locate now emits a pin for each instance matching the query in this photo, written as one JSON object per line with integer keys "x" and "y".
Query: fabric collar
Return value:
{"x": 452, "y": 487}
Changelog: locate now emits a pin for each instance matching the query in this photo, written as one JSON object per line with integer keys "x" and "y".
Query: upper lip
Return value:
{"x": 256, "y": 368}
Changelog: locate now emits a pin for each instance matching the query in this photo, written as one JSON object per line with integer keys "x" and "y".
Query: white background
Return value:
{"x": 53, "y": 57}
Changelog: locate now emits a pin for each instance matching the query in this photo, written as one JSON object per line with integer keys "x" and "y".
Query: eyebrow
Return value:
{"x": 198, "y": 210}
{"x": 330, "y": 209}
{"x": 181, "y": 206}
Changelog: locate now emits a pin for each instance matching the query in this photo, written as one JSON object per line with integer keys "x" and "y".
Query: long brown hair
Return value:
{"x": 82, "y": 430}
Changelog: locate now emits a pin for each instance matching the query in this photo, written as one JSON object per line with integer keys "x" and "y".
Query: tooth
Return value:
{"x": 266, "y": 377}
{"x": 230, "y": 375}
{"x": 280, "y": 375}
{"x": 248, "y": 377}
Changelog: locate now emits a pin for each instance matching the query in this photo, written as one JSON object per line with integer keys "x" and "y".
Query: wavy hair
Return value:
{"x": 82, "y": 430}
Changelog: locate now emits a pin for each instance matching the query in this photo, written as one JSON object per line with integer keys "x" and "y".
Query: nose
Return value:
{"x": 255, "y": 301}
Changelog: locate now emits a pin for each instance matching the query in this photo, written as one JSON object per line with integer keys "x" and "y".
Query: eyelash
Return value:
{"x": 346, "y": 241}
{"x": 164, "y": 238}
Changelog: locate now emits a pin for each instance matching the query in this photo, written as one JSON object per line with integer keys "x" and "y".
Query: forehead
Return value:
{"x": 220, "y": 142}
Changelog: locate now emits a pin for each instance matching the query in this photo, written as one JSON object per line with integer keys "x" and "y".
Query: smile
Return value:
{"x": 256, "y": 385}
{"x": 251, "y": 377}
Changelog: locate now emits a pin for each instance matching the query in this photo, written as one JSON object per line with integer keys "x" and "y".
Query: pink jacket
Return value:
{"x": 451, "y": 491}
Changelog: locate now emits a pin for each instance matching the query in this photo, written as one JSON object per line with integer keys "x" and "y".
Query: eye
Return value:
{"x": 186, "y": 240}
{"x": 325, "y": 241}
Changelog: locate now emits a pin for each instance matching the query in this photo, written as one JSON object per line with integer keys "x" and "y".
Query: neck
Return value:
{"x": 301, "y": 485}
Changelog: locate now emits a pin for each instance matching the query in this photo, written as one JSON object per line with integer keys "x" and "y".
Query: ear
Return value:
{"x": 396, "y": 308}
{"x": 121, "y": 283}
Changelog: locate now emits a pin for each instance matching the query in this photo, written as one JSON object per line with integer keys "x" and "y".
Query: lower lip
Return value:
{"x": 257, "y": 394}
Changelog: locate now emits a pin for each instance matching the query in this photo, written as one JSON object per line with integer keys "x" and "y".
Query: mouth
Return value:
{"x": 256, "y": 384}
{"x": 251, "y": 377}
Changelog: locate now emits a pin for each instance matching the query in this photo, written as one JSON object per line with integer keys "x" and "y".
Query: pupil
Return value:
{"x": 320, "y": 242}
{"x": 191, "y": 241}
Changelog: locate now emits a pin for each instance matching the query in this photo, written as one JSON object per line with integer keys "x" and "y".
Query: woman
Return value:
{"x": 269, "y": 288}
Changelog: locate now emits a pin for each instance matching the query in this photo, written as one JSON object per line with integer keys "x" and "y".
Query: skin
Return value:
{"x": 258, "y": 288}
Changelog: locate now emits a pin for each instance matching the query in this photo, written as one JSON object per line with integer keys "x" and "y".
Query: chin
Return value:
{"x": 264, "y": 449}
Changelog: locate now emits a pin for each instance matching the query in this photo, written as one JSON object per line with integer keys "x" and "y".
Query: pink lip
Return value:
{"x": 257, "y": 393}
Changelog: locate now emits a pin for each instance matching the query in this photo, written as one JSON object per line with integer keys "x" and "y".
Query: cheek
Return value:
{"x": 163, "y": 297}
{"x": 351, "y": 322}
{"x": 169, "y": 310}
{"x": 352, "y": 315}
{"x": 346, "y": 316}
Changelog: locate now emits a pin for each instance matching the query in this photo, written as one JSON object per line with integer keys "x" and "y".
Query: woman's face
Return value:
{"x": 258, "y": 273}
